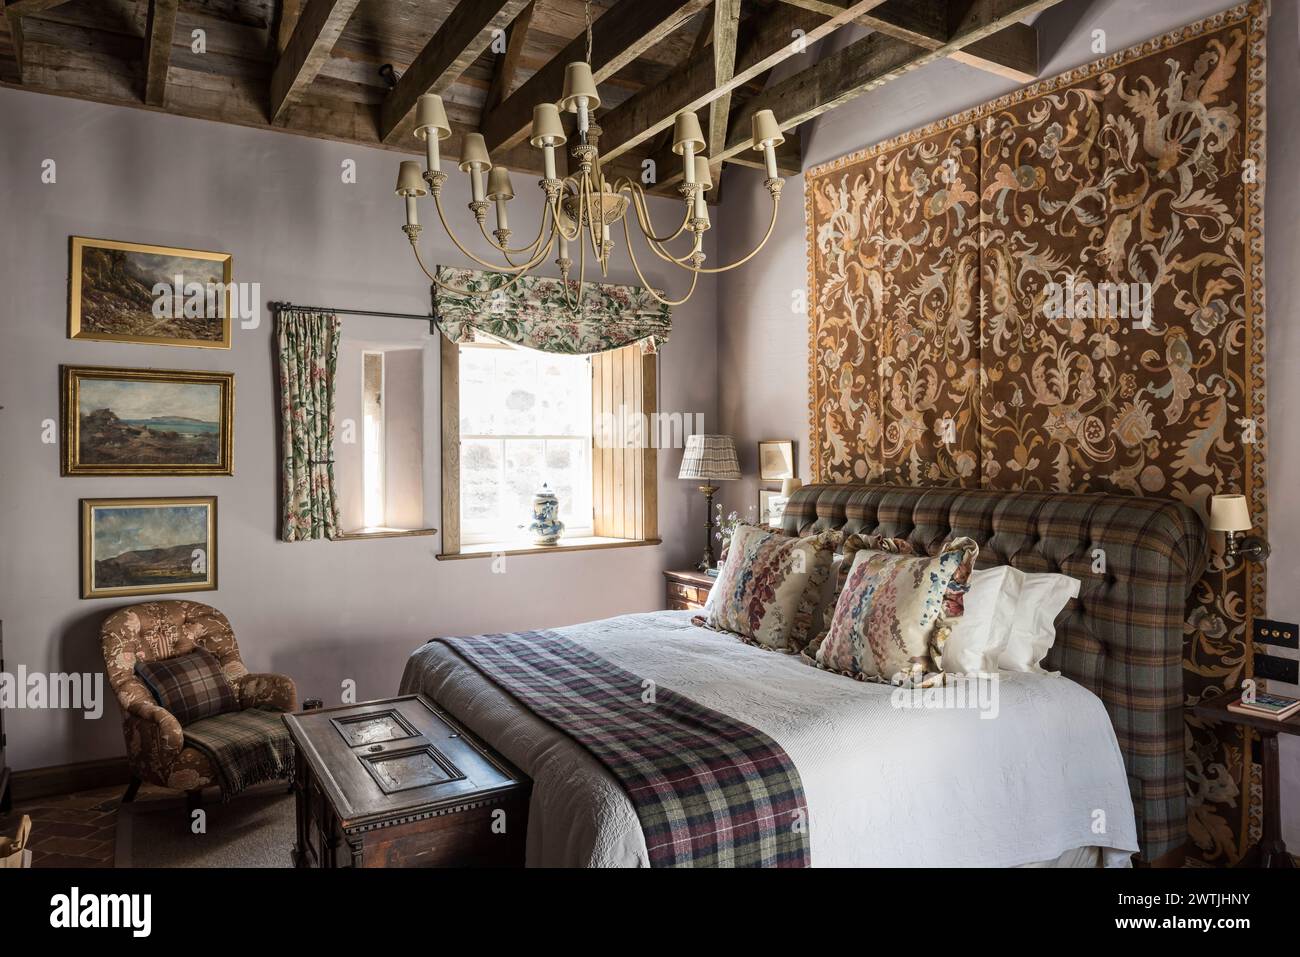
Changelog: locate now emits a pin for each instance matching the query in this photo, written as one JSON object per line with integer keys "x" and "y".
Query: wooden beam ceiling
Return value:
{"x": 618, "y": 37}
{"x": 869, "y": 63}
{"x": 316, "y": 29}
{"x": 503, "y": 75}
{"x": 160, "y": 28}
{"x": 456, "y": 44}
{"x": 1011, "y": 52}
{"x": 726, "y": 33}
{"x": 26, "y": 8}
{"x": 761, "y": 46}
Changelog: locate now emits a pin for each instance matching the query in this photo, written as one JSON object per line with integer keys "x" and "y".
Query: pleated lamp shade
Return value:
{"x": 710, "y": 458}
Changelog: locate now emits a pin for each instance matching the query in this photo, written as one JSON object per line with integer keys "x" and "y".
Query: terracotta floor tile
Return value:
{"x": 63, "y": 845}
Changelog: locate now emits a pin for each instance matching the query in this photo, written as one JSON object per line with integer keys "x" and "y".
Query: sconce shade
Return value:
{"x": 790, "y": 486}
{"x": 710, "y": 458}
{"x": 686, "y": 129}
{"x": 1229, "y": 513}
{"x": 546, "y": 125}
{"x": 474, "y": 154}
{"x": 766, "y": 130}
{"x": 702, "y": 173}
{"x": 409, "y": 181}
{"x": 578, "y": 82}
{"x": 499, "y": 184}
{"x": 430, "y": 115}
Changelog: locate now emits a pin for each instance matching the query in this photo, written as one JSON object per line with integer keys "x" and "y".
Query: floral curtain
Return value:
{"x": 533, "y": 312}
{"x": 308, "y": 357}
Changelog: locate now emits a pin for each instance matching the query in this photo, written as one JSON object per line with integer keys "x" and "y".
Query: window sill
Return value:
{"x": 493, "y": 549}
{"x": 363, "y": 533}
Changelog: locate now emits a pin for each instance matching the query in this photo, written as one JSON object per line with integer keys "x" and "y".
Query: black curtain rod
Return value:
{"x": 290, "y": 306}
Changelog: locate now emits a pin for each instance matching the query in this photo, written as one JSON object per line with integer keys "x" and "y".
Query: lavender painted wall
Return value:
{"x": 763, "y": 343}
{"x": 320, "y": 611}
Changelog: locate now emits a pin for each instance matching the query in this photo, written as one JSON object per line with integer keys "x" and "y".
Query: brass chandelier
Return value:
{"x": 580, "y": 208}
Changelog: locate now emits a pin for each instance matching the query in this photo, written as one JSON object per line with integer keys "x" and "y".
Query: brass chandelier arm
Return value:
{"x": 683, "y": 261}
{"x": 631, "y": 254}
{"x": 643, "y": 214}
{"x": 508, "y": 251}
{"x": 437, "y": 202}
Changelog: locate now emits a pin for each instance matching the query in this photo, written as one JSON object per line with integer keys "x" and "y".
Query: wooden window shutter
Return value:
{"x": 625, "y": 490}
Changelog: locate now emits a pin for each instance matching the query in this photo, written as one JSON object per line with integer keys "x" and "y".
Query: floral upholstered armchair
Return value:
{"x": 155, "y": 743}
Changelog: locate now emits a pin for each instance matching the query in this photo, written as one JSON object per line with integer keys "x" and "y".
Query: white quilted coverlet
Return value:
{"x": 885, "y": 786}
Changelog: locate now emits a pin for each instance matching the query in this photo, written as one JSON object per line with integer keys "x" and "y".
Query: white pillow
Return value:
{"x": 981, "y": 634}
{"x": 1033, "y": 631}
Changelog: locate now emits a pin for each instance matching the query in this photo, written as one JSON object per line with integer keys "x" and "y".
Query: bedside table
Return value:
{"x": 1271, "y": 850}
{"x": 687, "y": 589}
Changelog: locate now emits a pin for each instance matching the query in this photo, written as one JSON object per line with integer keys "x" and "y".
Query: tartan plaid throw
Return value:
{"x": 709, "y": 790}
{"x": 245, "y": 748}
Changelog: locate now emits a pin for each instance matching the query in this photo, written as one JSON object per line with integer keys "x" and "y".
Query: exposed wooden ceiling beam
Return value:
{"x": 456, "y": 44}
{"x": 503, "y": 76}
{"x": 25, "y": 8}
{"x": 315, "y": 32}
{"x": 764, "y": 44}
{"x": 290, "y": 11}
{"x": 159, "y": 30}
{"x": 1011, "y": 53}
{"x": 618, "y": 37}
{"x": 869, "y": 63}
{"x": 726, "y": 33}
{"x": 12, "y": 27}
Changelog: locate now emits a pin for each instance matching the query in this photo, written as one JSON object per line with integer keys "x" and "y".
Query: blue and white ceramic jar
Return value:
{"x": 546, "y": 528}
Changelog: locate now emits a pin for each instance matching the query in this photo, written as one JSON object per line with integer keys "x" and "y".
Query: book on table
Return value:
{"x": 1268, "y": 705}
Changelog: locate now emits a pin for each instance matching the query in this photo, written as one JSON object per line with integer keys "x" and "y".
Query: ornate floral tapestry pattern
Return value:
{"x": 1063, "y": 290}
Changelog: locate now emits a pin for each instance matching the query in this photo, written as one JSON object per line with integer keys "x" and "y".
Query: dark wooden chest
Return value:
{"x": 398, "y": 783}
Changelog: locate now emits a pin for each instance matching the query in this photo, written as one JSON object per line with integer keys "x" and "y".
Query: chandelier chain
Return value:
{"x": 586, "y": 9}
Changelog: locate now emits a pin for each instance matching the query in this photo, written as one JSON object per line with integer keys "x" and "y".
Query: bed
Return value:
{"x": 1081, "y": 768}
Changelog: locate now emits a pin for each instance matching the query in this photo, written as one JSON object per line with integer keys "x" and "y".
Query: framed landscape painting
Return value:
{"x": 775, "y": 459}
{"x": 131, "y": 292}
{"x": 148, "y": 546}
{"x": 147, "y": 422}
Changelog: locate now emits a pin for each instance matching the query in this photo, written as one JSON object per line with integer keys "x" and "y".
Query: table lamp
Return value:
{"x": 709, "y": 458}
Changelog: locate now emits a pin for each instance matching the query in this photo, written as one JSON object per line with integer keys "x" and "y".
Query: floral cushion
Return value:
{"x": 893, "y": 612}
{"x": 769, "y": 586}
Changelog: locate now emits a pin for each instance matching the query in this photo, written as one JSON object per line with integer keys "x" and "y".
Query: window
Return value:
{"x": 379, "y": 436}
{"x": 372, "y": 442}
{"x": 514, "y": 418}
{"x": 525, "y": 419}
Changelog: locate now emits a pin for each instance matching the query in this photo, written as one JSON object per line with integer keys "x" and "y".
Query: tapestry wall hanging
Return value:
{"x": 1063, "y": 289}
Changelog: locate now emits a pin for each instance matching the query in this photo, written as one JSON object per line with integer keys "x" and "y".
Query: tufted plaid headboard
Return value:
{"x": 1122, "y": 638}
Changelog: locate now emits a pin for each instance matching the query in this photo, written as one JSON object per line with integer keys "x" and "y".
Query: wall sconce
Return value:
{"x": 1231, "y": 515}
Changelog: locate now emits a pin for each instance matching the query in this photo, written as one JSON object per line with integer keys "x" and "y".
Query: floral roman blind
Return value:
{"x": 533, "y": 312}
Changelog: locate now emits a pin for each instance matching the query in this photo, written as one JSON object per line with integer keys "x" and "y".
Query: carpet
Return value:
{"x": 256, "y": 829}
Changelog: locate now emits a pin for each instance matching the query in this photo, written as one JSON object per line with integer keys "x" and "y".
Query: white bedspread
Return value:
{"x": 885, "y": 786}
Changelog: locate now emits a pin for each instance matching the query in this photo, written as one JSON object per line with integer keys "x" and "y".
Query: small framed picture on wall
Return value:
{"x": 771, "y": 506}
{"x": 775, "y": 459}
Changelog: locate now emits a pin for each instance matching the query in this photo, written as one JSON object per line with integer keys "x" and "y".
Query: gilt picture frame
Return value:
{"x": 112, "y": 294}
{"x": 148, "y": 546}
{"x": 124, "y": 421}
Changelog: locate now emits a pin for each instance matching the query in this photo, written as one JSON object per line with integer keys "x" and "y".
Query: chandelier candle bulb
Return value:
{"x": 500, "y": 191}
{"x": 767, "y": 136}
{"x": 431, "y": 126}
{"x": 411, "y": 187}
{"x": 580, "y": 95}
{"x": 688, "y": 139}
